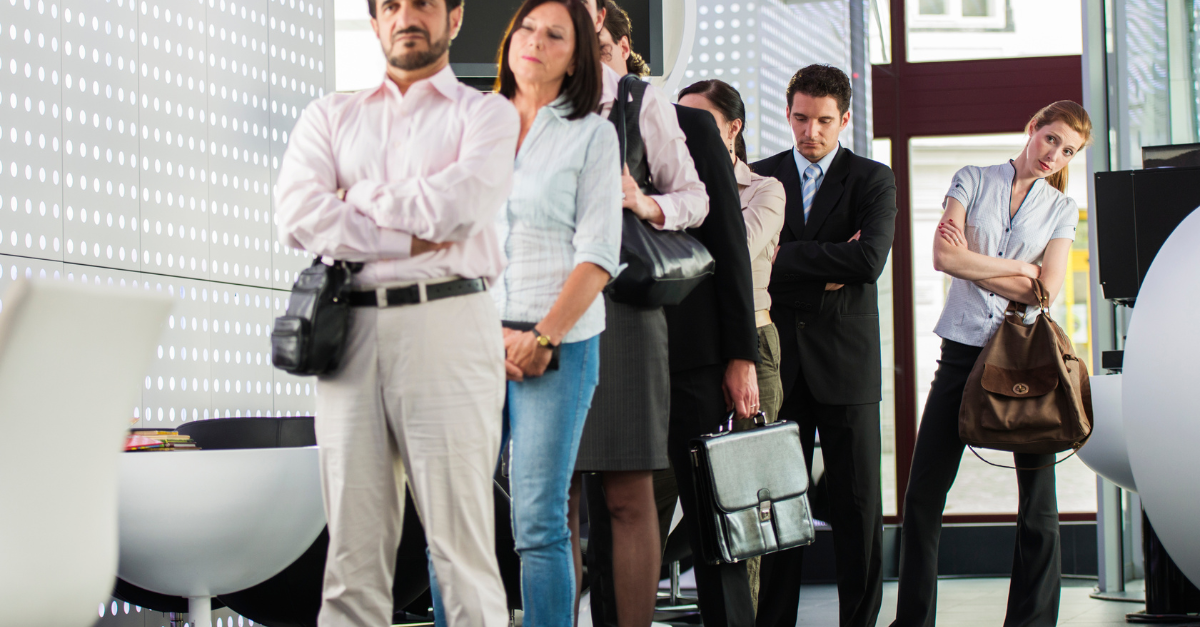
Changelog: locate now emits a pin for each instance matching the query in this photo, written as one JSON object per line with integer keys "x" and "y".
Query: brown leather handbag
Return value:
{"x": 1028, "y": 391}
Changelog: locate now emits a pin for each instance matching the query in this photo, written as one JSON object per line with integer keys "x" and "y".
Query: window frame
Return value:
{"x": 947, "y": 98}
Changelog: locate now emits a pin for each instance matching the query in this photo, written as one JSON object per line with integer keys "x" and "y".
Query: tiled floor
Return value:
{"x": 972, "y": 603}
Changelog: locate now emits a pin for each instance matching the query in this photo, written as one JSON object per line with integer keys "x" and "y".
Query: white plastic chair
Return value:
{"x": 71, "y": 360}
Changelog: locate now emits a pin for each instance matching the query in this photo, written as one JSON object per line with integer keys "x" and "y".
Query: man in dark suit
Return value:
{"x": 839, "y": 222}
{"x": 713, "y": 350}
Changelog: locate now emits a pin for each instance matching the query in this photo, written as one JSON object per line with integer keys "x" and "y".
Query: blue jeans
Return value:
{"x": 544, "y": 419}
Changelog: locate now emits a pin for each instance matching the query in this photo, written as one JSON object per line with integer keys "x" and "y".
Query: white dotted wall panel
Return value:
{"x": 140, "y": 142}
{"x": 298, "y": 74}
{"x": 239, "y": 186}
{"x": 137, "y": 147}
{"x": 727, "y": 48}
{"x": 826, "y": 40}
{"x": 99, "y": 126}
{"x": 30, "y": 129}
{"x": 173, "y": 137}
{"x": 754, "y": 47}
{"x": 13, "y": 268}
{"x": 241, "y": 368}
{"x": 180, "y": 383}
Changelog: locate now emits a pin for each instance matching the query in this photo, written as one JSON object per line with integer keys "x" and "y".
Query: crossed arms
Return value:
{"x": 380, "y": 219}
{"x": 1009, "y": 278}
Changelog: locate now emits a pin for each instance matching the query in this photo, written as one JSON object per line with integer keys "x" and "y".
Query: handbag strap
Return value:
{"x": 619, "y": 111}
{"x": 1040, "y": 292}
{"x": 1055, "y": 463}
{"x": 351, "y": 267}
{"x": 619, "y": 108}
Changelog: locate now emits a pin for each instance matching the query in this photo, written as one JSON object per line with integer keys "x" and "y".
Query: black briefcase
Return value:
{"x": 752, "y": 487}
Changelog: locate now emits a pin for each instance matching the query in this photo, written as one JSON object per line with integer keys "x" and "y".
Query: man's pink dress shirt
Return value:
{"x": 435, "y": 163}
{"x": 684, "y": 199}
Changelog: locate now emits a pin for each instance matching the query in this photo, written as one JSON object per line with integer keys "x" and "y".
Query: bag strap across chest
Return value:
{"x": 626, "y": 116}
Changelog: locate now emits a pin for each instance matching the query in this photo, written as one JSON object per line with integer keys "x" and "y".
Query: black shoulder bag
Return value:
{"x": 310, "y": 338}
{"x": 661, "y": 267}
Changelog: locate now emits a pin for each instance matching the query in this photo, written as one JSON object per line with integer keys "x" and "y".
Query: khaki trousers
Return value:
{"x": 418, "y": 398}
{"x": 770, "y": 397}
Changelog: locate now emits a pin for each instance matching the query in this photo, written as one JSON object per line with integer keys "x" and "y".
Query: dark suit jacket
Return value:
{"x": 715, "y": 323}
{"x": 831, "y": 338}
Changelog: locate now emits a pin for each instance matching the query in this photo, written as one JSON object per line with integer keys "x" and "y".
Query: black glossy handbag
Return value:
{"x": 310, "y": 338}
{"x": 752, "y": 488}
{"x": 660, "y": 267}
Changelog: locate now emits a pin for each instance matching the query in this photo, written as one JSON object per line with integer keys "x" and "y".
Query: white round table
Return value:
{"x": 201, "y": 523}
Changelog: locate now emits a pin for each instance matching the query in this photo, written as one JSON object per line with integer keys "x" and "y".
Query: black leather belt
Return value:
{"x": 411, "y": 295}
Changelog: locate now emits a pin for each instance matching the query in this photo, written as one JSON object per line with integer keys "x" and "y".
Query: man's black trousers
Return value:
{"x": 850, "y": 447}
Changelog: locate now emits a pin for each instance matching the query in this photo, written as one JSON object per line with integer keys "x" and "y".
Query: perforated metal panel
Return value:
{"x": 140, "y": 143}
{"x": 13, "y": 268}
{"x": 30, "y": 130}
{"x": 100, "y": 119}
{"x": 239, "y": 186}
{"x": 173, "y": 138}
{"x": 298, "y": 74}
{"x": 179, "y": 387}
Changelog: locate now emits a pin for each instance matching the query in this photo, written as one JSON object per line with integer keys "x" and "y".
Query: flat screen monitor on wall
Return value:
{"x": 473, "y": 54}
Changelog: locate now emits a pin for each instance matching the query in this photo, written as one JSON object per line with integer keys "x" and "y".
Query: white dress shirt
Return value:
{"x": 565, "y": 209}
{"x": 683, "y": 198}
{"x": 435, "y": 163}
{"x": 802, "y": 164}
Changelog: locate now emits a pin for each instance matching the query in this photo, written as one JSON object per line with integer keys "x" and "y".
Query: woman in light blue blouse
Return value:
{"x": 1004, "y": 225}
{"x": 561, "y": 231}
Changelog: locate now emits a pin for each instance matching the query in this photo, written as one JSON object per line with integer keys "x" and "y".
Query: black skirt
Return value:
{"x": 626, "y": 428}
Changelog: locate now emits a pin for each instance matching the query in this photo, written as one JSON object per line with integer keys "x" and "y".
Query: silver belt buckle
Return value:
{"x": 381, "y": 299}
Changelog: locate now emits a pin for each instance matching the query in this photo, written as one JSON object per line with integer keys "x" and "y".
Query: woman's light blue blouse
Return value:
{"x": 972, "y": 314}
{"x": 564, "y": 210}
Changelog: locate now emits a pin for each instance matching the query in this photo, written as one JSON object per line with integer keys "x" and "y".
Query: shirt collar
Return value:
{"x": 802, "y": 162}
{"x": 445, "y": 82}
{"x": 742, "y": 172}
{"x": 560, "y": 108}
{"x": 608, "y": 84}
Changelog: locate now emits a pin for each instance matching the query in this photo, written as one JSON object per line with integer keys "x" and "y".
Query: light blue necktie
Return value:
{"x": 809, "y": 190}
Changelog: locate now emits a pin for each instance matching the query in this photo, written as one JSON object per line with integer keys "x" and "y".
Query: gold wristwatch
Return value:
{"x": 542, "y": 339}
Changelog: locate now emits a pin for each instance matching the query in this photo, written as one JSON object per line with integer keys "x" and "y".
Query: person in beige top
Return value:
{"x": 763, "y": 201}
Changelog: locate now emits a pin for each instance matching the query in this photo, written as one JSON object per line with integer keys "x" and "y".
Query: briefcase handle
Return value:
{"x": 760, "y": 420}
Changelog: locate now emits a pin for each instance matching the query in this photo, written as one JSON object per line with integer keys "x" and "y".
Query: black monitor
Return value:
{"x": 473, "y": 54}
{"x": 1136, "y": 211}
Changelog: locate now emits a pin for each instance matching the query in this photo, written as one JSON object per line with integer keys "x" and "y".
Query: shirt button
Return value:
{"x": 1002, "y": 253}
{"x": 989, "y": 316}
{"x": 991, "y": 294}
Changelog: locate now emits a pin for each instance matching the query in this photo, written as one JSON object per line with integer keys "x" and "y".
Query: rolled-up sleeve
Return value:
{"x": 683, "y": 198}
{"x": 458, "y": 201}
{"x": 598, "y": 202}
{"x": 964, "y": 186}
{"x": 311, "y": 216}
{"x": 1065, "y": 229}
